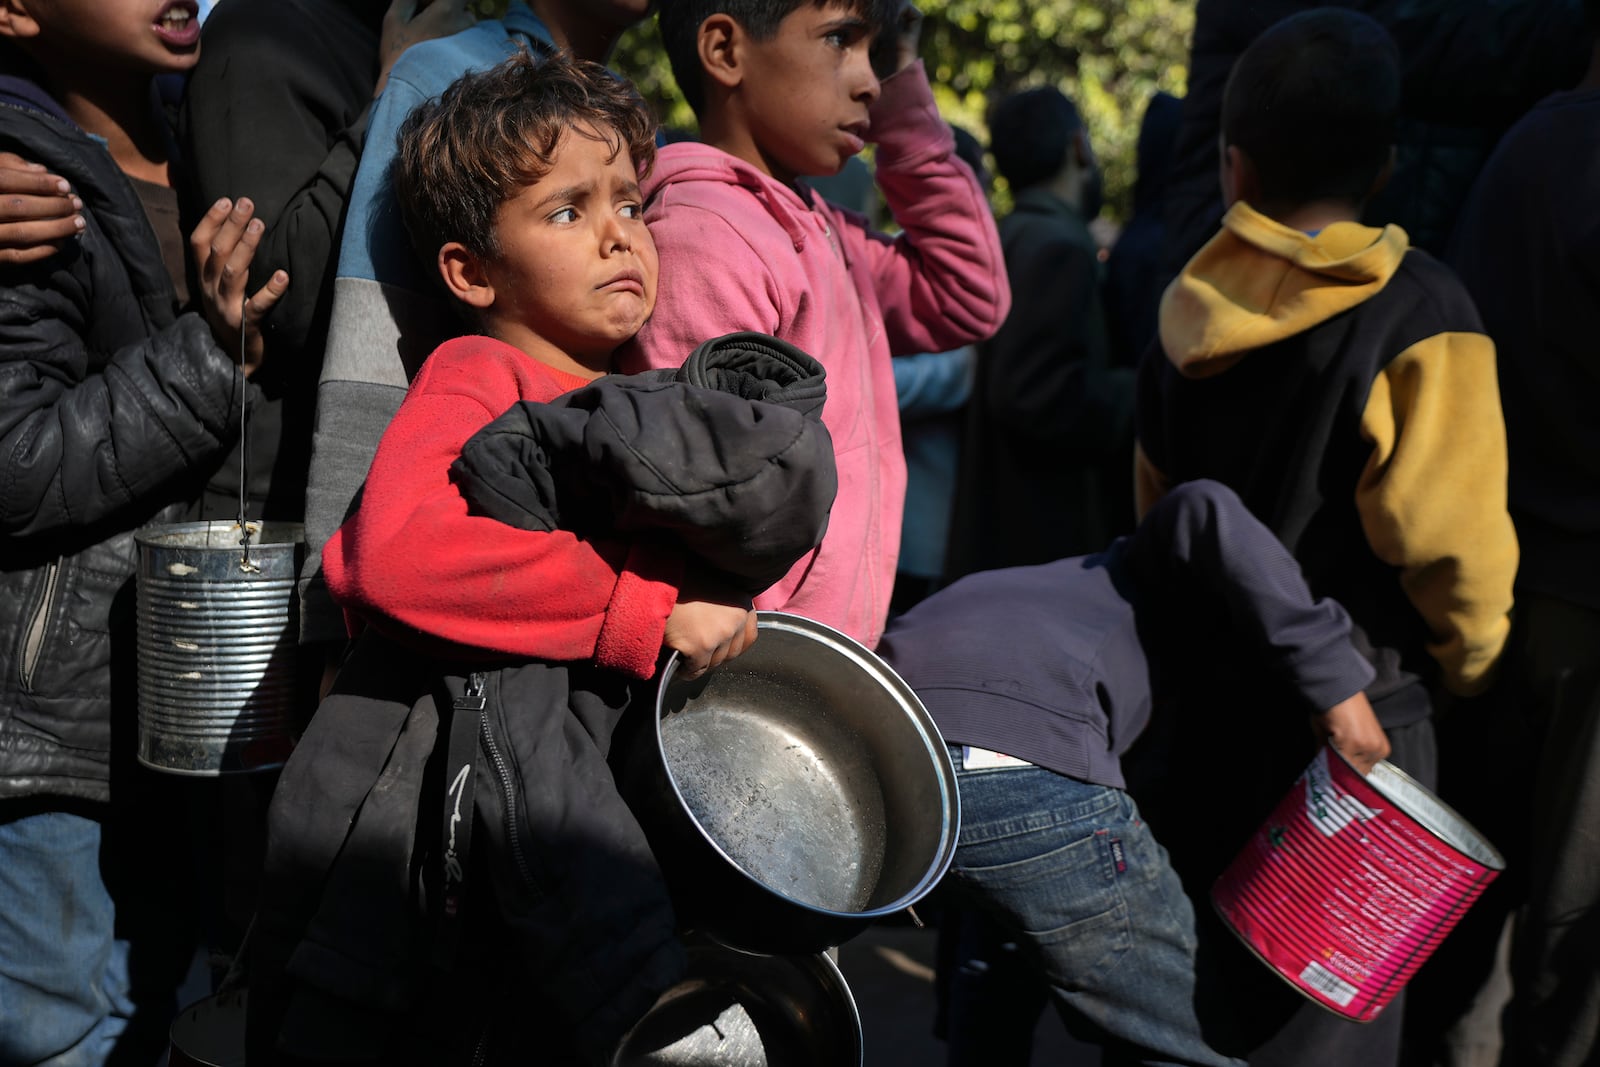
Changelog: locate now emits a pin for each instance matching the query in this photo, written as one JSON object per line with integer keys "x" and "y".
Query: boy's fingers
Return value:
{"x": 19, "y": 175}
{"x": 205, "y": 232}
{"x": 692, "y": 667}
{"x": 744, "y": 638}
{"x": 19, "y": 257}
{"x": 20, "y": 207}
{"x": 42, "y": 183}
{"x": 236, "y": 267}
{"x": 231, "y": 229}
{"x": 266, "y": 297}
{"x": 21, "y": 236}
{"x": 225, "y": 269}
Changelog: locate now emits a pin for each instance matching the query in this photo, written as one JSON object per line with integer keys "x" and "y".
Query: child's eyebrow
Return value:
{"x": 570, "y": 192}
{"x": 854, "y": 23}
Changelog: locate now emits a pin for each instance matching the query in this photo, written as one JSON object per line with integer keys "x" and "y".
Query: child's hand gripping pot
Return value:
{"x": 709, "y": 625}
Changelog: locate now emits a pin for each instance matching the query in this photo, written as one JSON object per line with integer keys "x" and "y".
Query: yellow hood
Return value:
{"x": 1259, "y": 281}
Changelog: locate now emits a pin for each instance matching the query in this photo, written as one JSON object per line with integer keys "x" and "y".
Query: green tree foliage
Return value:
{"x": 1109, "y": 56}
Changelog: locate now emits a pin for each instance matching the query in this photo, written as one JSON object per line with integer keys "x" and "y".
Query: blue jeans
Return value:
{"x": 1075, "y": 876}
{"x": 64, "y": 979}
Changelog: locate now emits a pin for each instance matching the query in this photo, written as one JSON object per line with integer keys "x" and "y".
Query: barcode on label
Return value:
{"x": 1326, "y": 982}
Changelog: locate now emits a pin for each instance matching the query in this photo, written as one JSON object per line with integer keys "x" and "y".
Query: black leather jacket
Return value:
{"x": 110, "y": 402}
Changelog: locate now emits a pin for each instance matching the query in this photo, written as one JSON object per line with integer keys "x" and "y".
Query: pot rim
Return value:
{"x": 819, "y": 966}
{"x": 926, "y": 729}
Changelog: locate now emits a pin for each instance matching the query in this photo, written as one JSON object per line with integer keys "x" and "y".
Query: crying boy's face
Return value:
{"x": 575, "y": 272}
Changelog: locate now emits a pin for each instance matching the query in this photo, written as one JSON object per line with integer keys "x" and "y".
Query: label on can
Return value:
{"x": 1343, "y": 893}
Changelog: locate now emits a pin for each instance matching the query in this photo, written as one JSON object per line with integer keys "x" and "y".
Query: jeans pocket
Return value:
{"x": 1062, "y": 892}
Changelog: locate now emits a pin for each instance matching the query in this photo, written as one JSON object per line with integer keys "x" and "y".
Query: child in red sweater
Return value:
{"x": 451, "y": 867}
{"x": 541, "y": 238}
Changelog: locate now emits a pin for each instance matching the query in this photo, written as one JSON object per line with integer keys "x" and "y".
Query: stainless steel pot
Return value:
{"x": 210, "y": 1032}
{"x": 796, "y": 793}
{"x": 735, "y": 1009}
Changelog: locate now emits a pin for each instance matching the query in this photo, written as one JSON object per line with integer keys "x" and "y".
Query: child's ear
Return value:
{"x": 463, "y": 274}
{"x": 1081, "y": 150}
{"x": 720, "y": 44}
{"x": 1239, "y": 178}
{"x": 15, "y": 21}
{"x": 1384, "y": 174}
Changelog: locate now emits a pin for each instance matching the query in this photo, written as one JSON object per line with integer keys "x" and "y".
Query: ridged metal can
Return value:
{"x": 1352, "y": 883}
{"x": 217, "y": 646}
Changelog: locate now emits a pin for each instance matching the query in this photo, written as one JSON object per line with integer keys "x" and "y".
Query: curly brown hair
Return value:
{"x": 494, "y": 131}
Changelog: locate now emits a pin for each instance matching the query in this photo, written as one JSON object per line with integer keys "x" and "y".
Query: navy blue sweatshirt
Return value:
{"x": 1053, "y": 664}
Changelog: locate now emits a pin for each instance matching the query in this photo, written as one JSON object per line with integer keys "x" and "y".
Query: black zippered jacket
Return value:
{"x": 110, "y": 404}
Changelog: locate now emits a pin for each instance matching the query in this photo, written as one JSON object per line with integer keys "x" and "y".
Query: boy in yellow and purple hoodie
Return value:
{"x": 1341, "y": 383}
{"x": 789, "y": 90}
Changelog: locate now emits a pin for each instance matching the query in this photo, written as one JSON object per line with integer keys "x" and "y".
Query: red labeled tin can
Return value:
{"x": 1352, "y": 882}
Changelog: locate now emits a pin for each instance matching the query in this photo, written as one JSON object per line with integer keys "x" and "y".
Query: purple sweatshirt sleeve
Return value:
{"x": 1200, "y": 536}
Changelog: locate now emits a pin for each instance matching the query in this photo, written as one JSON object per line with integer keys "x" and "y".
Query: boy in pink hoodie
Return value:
{"x": 789, "y": 90}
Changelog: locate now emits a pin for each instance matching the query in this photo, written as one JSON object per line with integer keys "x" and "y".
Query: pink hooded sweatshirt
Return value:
{"x": 743, "y": 251}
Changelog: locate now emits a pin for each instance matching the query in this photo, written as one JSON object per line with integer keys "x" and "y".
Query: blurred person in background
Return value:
{"x": 1050, "y": 424}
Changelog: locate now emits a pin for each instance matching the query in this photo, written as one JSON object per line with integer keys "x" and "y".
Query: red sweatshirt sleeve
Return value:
{"x": 412, "y": 562}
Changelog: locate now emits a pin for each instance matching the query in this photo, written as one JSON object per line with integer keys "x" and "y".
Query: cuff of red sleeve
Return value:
{"x": 636, "y": 619}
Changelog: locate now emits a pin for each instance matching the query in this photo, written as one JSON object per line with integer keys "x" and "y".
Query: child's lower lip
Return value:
{"x": 853, "y": 142}
{"x": 189, "y": 35}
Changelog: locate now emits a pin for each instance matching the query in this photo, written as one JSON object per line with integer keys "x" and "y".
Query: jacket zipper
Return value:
{"x": 33, "y": 644}
{"x": 509, "y": 792}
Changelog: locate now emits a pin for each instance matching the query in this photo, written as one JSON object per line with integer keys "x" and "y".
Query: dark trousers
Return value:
{"x": 1522, "y": 764}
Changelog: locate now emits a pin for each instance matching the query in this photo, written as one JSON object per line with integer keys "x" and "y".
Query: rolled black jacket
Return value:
{"x": 111, "y": 404}
{"x": 650, "y": 454}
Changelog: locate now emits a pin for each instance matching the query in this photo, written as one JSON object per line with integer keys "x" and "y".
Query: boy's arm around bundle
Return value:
{"x": 415, "y": 564}
{"x": 941, "y": 283}
{"x": 736, "y": 471}
{"x": 741, "y": 483}
{"x": 1201, "y": 539}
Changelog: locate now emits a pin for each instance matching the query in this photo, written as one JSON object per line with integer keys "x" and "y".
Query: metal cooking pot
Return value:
{"x": 210, "y": 1032}
{"x": 735, "y": 1009}
{"x": 796, "y": 793}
